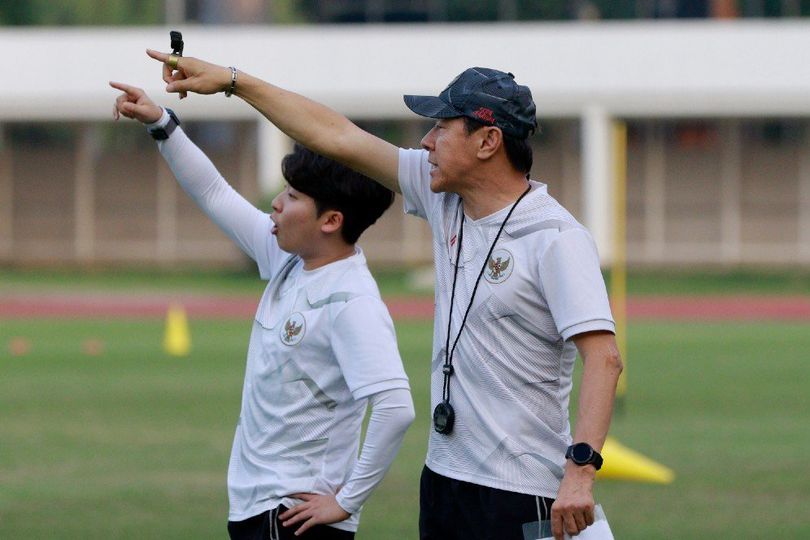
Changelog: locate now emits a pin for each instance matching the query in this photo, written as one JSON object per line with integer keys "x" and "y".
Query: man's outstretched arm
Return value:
{"x": 573, "y": 510}
{"x": 314, "y": 125}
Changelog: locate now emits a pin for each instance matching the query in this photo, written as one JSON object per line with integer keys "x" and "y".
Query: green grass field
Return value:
{"x": 135, "y": 444}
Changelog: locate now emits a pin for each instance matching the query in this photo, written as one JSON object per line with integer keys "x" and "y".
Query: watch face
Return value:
{"x": 581, "y": 453}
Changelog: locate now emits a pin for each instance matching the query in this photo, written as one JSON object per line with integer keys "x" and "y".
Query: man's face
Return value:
{"x": 297, "y": 225}
{"x": 451, "y": 152}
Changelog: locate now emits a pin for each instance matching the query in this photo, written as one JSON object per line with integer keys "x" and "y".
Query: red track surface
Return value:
{"x": 709, "y": 308}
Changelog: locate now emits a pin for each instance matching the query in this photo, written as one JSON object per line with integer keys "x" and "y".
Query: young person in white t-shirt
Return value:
{"x": 322, "y": 345}
{"x": 518, "y": 294}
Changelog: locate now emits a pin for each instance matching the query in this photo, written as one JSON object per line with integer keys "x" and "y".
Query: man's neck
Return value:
{"x": 487, "y": 197}
{"x": 327, "y": 256}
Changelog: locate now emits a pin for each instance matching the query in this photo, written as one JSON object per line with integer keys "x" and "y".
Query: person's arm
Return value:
{"x": 195, "y": 173}
{"x": 573, "y": 510}
{"x": 316, "y": 126}
{"x": 364, "y": 343}
{"x": 391, "y": 414}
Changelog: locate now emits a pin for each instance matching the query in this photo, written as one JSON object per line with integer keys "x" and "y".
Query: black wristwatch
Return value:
{"x": 162, "y": 133}
{"x": 584, "y": 454}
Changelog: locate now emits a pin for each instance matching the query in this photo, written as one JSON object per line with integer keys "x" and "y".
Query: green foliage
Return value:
{"x": 549, "y": 10}
{"x": 616, "y": 9}
{"x": 468, "y": 11}
{"x": 14, "y": 12}
{"x": 80, "y": 12}
{"x": 287, "y": 12}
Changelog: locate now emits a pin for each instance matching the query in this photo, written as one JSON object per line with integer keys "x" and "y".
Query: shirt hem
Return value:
{"x": 381, "y": 386}
{"x": 242, "y": 516}
{"x": 255, "y": 511}
{"x": 490, "y": 482}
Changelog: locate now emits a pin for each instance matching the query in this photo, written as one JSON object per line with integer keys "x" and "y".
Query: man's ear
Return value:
{"x": 331, "y": 221}
{"x": 491, "y": 139}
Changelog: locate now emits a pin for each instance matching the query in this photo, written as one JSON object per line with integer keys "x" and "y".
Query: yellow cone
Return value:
{"x": 176, "y": 339}
{"x": 621, "y": 463}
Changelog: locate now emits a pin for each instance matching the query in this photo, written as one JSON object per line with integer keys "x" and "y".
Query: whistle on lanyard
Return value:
{"x": 176, "y": 42}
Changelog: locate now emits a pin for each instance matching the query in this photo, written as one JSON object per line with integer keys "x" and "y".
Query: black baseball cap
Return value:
{"x": 487, "y": 95}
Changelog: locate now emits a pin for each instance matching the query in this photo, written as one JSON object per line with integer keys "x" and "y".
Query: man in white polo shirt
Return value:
{"x": 322, "y": 345}
{"x": 518, "y": 293}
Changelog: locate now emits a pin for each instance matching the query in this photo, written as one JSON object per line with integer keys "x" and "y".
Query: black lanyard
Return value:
{"x": 443, "y": 414}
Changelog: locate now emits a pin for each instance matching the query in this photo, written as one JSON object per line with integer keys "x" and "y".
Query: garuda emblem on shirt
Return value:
{"x": 294, "y": 329}
{"x": 499, "y": 266}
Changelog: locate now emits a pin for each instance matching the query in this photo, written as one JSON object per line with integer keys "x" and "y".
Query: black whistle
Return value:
{"x": 177, "y": 42}
{"x": 443, "y": 418}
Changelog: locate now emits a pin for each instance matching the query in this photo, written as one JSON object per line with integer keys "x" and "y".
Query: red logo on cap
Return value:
{"x": 485, "y": 114}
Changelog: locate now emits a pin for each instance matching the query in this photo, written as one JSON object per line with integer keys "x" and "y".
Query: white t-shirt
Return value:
{"x": 514, "y": 360}
{"x": 322, "y": 341}
{"x": 322, "y": 345}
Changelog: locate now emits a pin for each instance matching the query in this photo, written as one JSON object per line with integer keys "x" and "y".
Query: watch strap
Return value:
{"x": 164, "y": 128}
{"x": 594, "y": 458}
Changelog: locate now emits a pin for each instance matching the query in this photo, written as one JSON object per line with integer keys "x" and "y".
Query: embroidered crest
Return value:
{"x": 499, "y": 266}
{"x": 294, "y": 329}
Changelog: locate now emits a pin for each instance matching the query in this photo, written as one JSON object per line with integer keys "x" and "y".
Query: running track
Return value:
{"x": 94, "y": 305}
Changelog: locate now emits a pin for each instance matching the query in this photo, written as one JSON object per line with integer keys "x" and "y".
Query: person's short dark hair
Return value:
{"x": 519, "y": 151}
{"x": 334, "y": 186}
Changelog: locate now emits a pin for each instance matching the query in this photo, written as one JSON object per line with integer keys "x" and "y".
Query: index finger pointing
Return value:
{"x": 162, "y": 57}
{"x": 157, "y": 55}
{"x": 131, "y": 90}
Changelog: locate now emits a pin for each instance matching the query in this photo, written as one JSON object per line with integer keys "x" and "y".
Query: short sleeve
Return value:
{"x": 365, "y": 345}
{"x": 573, "y": 285}
{"x": 414, "y": 181}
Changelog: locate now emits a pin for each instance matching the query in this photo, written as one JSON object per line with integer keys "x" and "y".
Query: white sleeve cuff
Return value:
{"x": 162, "y": 122}
{"x": 598, "y": 325}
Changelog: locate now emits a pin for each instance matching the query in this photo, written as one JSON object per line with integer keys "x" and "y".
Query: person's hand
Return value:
{"x": 134, "y": 103}
{"x": 192, "y": 75}
{"x": 315, "y": 510}
{"x": 573, "y": 510}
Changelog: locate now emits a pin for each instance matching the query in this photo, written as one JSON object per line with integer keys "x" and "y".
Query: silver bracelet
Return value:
{"x": 229, "y": 91}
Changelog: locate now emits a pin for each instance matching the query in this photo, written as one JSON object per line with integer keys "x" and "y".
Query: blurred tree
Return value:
{"x": 434, "y": 10}
{"x": 554, "y": 10}
{"x": 232, "y": 12}
{"x": 616, "y": 9}
{"x": 13, "y": 13}
{"x": 287, "y": 12}
{"x": 81, "y": 12}
{"x": 139, "y": 12}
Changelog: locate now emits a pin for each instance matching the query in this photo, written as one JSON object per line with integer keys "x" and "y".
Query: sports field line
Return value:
{"x": 94, "y": 305}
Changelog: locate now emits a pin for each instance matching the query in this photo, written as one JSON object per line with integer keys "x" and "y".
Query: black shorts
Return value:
{"x": 451, "y": 509}
{"x": 267, "y": 526}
